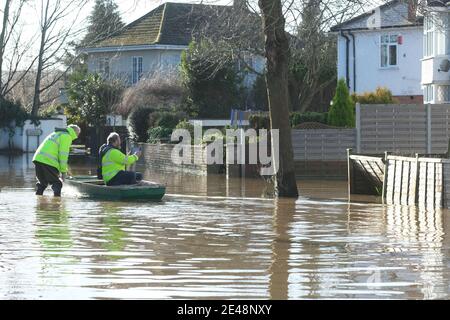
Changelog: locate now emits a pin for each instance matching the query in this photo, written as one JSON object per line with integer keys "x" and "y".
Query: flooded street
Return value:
{"x": 219, "y": 239}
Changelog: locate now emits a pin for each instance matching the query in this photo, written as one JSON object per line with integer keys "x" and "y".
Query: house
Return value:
{"x": 384, "y": 48}
{"x": 155, "y": 42}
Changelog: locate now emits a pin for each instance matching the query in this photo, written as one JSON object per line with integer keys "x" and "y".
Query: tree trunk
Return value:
{"x": 277, "y": 54}
{"x": 37, "y": 83}
{"x": 2, "y": 39}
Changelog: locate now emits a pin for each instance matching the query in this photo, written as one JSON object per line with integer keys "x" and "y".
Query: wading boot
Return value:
{"x": 56, "y": 187}
{"x": 40, "y": 189}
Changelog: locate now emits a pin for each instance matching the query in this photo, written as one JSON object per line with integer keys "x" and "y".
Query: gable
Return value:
{"x": 393, "y": 14}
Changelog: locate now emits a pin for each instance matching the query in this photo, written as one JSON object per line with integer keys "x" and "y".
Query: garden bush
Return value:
{"x": 138, "y": 123}
{"x": 297, "y": 118}
{"x": 157, "y": 134}
{"x": 166, "y": 119}
{"x": 342, "y": 112}
{"x": 380, "y": 96}
{"x": 12, "y": 115}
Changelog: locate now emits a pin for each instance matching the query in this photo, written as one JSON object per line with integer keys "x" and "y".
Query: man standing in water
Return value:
{"x": 51, "y": 159}
{"x": 112, "y": 163}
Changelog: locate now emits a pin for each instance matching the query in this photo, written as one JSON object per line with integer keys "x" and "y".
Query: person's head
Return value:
{"x": 114, "y": 139}
{"x": 75, "y": 128}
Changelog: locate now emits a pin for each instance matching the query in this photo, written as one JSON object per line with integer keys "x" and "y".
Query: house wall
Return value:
{"x": 168, "y": 60}
{"x": 121, "y": 63}
{"x": 403, "y": 80}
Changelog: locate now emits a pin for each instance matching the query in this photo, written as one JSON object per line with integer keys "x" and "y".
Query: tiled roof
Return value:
{"x": 168, "y": 24}
{"x": 393, "y": 14}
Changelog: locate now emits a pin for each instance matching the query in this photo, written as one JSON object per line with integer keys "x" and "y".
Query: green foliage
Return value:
{"x": 51, "y": 111}
{"x": 156, "y": 134}
{"x": 213, "y": 87}
{"x": 138, "y": 123}
{"x": 166, "y": 119}
{"x": 12, "y": 115}
{"x": 259, "y": 121}
{"x": 104, "y": 20}
{"x": 260, "y": 98}
{"x": 91, "y": 98}
{"x": 262, "y": 121}
{"x": 341, "y": 113}
{"x": 380, "y": 96}
{"x": 297, "y": 118}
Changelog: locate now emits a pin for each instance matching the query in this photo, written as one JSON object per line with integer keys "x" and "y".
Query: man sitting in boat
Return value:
{"x": 51, "y": 158}
{"x": 113, "y": 162}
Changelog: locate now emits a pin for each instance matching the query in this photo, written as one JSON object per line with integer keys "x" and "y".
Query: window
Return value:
{"x": 137, "y": 69}
{"x": 428, "y": 93}
{"x": 103, "y": 67}
{"x": 429, "y": 37}
{"x": 443, "y": 94}
{"x": 389, "y": 50}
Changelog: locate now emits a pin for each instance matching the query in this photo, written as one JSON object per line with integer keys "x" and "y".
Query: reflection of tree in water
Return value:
{"x": 52, "y": 224}
{"x": 283, "y": 215}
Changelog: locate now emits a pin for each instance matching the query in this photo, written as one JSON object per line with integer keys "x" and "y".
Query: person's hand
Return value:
{"x": 138, "y": 153}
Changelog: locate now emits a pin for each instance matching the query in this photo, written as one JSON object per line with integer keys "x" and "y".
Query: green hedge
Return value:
{"x": 262, "y": 121}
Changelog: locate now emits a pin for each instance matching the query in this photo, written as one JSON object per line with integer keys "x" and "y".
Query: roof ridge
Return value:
{"x": 161, "y": 25}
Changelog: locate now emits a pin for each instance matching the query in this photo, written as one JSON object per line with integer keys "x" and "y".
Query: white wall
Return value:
{"x": 121, "y": 63}
{"x": 19, "y": 139}
{"x": 405, "y": 79}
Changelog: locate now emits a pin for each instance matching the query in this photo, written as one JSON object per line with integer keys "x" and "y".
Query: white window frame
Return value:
{"x": 429, "y": 37}
{"x": 136, "y": 73}
{"x": 428, "y": 93}
{"x": 388, "y": 45}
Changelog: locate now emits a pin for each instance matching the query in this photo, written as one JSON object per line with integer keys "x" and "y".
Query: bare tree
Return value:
{"x": 14, "y": 50}
{"x": 277, "y": 55}
{"x": 57, "y": 27}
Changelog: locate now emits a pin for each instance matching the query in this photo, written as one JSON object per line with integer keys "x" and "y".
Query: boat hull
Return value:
{"x": 92, "y": 187}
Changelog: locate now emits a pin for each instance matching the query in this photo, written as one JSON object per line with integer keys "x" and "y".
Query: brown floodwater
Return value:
{"x": 214, "y": 238}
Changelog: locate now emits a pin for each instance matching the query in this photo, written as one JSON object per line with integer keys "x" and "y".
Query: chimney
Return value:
{"x": 412, "y": 10}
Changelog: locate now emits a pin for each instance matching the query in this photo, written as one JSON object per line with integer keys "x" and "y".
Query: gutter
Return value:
{"x": 354, "y": 60}
{"x": 347, "y": 58}
{"x": 134, "y": 48}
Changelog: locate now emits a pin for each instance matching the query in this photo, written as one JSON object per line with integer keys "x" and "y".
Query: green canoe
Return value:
{"x": 95, "y": 188}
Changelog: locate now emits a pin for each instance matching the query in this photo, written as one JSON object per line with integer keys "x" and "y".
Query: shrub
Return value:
{"x": 380, "y": 96}
{"x": 158, "y": 91}
{"x": 213, "y": 86}
{"x": 186, "y": 125}
{"x": 12, "y": 115}
{"x": 92, "y": 98}
{"x": 156, "y": 134}
{"x": 138, "y": 123}
{"x": 297, "y": 118}
{"x": 259, "y": 121}
{"x": 341, "y": 113}
{"x": 166, "y": 119}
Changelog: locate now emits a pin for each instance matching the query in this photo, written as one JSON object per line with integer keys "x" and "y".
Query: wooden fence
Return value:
{"x": 402, "y": 129}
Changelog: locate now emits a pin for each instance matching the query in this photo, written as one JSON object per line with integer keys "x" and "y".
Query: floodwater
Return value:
{"x": 211, "y": 238}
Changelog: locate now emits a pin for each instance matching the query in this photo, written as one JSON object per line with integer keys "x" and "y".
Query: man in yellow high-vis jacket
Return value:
{"x": 50, "y": 159}
{"x": 112, "y": 163}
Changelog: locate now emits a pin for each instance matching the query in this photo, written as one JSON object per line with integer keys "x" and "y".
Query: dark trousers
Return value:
{"x": 47, "y": 175}
{"x": 125, "y": 178}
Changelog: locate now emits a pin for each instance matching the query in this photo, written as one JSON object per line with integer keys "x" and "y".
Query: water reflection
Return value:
{"x": 216, "y": 238}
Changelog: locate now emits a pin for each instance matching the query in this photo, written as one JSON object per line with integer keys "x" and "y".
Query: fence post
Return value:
{"x": 428, "y": 129}
{"x": 358, "y": 127}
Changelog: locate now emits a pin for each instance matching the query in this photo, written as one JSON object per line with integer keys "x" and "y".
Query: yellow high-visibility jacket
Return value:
{"x": 114, "y": 161}
{"x": 54, "y": 150}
